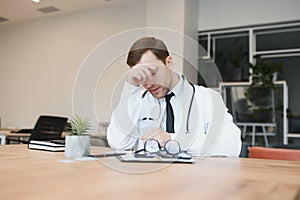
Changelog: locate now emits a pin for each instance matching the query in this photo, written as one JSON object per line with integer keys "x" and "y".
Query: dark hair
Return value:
{"x": 141, "y": 46}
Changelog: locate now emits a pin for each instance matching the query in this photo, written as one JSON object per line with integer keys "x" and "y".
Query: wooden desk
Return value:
{"x": 6, "y": 134}
{"x": 31, "y": 174}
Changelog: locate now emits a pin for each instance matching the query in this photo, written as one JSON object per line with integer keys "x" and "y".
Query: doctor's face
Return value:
{"x": 161, "y": 80}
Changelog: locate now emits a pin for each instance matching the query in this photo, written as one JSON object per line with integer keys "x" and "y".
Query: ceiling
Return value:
{"x": 23, "y": 10}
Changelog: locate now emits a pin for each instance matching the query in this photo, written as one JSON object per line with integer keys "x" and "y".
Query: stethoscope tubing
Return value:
{"x": 189, "y": 110}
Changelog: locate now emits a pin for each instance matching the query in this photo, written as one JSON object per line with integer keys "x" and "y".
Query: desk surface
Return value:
{"x": 8, "y": 133}
{"x": 32, "y": 174}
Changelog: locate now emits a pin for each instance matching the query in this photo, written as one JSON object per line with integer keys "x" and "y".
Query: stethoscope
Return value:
{"x": 189, "y": 110}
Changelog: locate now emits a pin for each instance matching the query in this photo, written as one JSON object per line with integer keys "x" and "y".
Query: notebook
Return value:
{"x": 47, "y": 146}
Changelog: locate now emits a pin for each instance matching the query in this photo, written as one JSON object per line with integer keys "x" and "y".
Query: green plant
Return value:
{"x": 262, "y": 80}
{"x": 79, "y": 126}
{"x": 263, "y": 73}
{"x": 261, "y": 92}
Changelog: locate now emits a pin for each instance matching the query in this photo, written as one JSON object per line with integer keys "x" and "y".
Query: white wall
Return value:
{"x": 180, "y": 16}
{"x": 173, "y": 18}
{"x": 215, "y": 14}
{"x": 169, "y": 20}
{"x": 39, "y": 59}
{"x": 191, "y": 45}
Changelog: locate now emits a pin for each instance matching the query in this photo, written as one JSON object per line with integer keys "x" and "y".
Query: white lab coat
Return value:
{"x": 211, "y": 129}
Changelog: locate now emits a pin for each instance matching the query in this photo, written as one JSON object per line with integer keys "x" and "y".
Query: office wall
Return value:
{"x": 181, "y": 16}
{"x": 190, "y": 49}
{"x": 166, "y": 21}
{"x": 169, "y": 20}
{"x": 39, "y": 59}
{"x": 215, "y": 14}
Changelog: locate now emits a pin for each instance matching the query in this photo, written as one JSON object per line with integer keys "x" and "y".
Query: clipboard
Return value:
{"x": 155, "y": 159}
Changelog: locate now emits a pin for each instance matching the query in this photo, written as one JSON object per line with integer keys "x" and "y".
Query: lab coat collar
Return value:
{"x": 178, "y": 89}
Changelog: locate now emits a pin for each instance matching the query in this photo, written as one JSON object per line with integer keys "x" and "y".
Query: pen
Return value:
{"x": 107, "y": 155}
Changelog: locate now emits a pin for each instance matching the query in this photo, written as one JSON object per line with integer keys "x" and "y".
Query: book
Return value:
{"x": 46, "y": 145}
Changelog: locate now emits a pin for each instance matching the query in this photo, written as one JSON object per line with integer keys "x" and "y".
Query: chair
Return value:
{"x": 48, "y": 128}
{"x": 100, "y": 139}
{"x": 274, "y": 153}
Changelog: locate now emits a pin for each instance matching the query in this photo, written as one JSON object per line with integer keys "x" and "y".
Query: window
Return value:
{"x": 233, "y": 49}
{"x": 230, "y": 53}
{"x": 278, "y": 39}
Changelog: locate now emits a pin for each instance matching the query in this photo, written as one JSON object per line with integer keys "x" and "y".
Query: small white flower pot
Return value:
{"x": 77, "y": 146}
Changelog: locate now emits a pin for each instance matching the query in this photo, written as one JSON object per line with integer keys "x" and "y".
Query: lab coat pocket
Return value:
{"x": 145, "y": 124}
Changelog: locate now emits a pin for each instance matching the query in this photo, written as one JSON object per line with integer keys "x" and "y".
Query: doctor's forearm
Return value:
{"x": 122, "y": 132}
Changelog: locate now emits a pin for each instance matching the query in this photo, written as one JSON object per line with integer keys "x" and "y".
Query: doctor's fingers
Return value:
{"x": 151, "y": 134}
{"x": 142, "y": 71}
{"x": 163, "y": 137}
{"x": 143, "y": 67}
{"x": 141, "y": 76}
{"x": 138, "y": 75}
{"x": 135, "y": 78}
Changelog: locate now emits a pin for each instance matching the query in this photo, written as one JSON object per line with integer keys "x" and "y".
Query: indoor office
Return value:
{"x": 65, "y": 58}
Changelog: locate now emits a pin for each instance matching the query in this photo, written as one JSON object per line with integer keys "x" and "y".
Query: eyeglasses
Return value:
{"x": 151, "y": 147}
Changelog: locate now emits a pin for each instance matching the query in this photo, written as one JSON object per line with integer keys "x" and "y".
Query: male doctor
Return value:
{"x": 158, "y": 103}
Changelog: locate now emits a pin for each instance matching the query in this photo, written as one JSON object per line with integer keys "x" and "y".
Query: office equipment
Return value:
{"x": 48, "y": 128}
{"x": 107, "y": 155}
{"x": 42, "y": 175}
{"x": 153, "y": 159}
{"x": 153, "y": 152}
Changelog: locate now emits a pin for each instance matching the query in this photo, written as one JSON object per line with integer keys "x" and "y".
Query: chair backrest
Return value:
{"x": 274, "y": 153}
{"x": 48, "y": 128}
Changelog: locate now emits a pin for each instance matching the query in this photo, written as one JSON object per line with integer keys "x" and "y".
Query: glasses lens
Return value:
{"x": 152, "y": 146}
{"x": 172, "y": 147}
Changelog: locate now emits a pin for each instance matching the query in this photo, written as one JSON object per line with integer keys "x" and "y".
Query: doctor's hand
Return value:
{"x": 139, "y": 74}
{"x": 155, "y": 133}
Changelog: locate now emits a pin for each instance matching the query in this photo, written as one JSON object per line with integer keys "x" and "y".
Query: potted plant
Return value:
{"x": 261, "y": 92}
{"x": 77, "y": 142}
{"x": 264, "y": 73}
